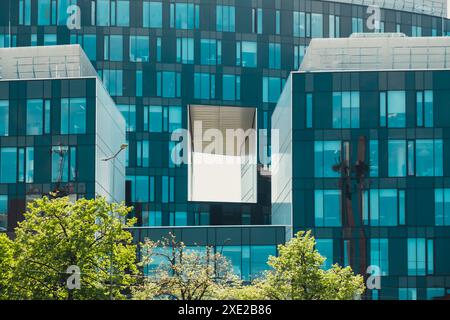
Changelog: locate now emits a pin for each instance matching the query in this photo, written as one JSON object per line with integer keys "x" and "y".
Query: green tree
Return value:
{"x": 182, "y": 273}
{"x": 57, "y": 234}
{"x": 296, "y": 274}
{"x": 6, "y": 265}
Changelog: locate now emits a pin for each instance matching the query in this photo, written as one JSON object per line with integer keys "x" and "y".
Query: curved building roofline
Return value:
{"x": 430, "y": 7}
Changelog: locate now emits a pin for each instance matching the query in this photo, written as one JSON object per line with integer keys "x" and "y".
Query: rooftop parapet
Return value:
{"x": 377, "y": 51}
{"x": 429, "y": 7}
{"x": 45, "y": 62}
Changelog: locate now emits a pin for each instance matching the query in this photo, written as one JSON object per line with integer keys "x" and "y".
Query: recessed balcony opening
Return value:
{"x": 223, "y": 154}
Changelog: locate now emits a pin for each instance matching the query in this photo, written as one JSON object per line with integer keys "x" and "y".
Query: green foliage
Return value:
{"x": 6, "y": 265}
{"x": 254, "y": 291}
{"x": 296, "y": 274}
{"x": 183, "y": 273}
{"x": 57, "y": 234}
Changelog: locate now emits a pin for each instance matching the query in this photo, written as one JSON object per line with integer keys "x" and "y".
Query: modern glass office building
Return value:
{"x": 364, "y": 158}
{"x": 52, "y": 140}
{"x": 167, "y": 63}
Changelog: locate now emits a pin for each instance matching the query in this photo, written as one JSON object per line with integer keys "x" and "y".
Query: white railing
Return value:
{"x": 48, "y": 67}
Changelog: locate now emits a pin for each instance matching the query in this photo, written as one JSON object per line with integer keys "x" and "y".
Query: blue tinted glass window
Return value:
{"x": 401, "y": 207}
{"x": 141, "y": 191}
{"x": 225, "y": 18}
{"x": 151, "y": 218}
{"x": 72, "y": 164}
{"x": 325, "y": 248}
{"x": 180, "y": 218}
{"x": 35, "y": 119}
{"x": 257, "y": 21}
{"x": 386, "y": 207}
{"x": 397, "y": 158}
{"x": 442, "y": 207}
{"x": 379, "y": 255}
{"x": 25, "y": 12}
{"x": 231, "y": 87}
{"x": 123, "y": 13}
{"x": 8, "y": 171}
{"x": 129, "y": 113}
{"x": 113, "y": 80}
{"x": 346, "y": 109}
{"x": 90, "y": 46}
{"x": 50, "y": 39}
{"x": 103, "y": 13}
{"x": 383, "y": 109}
{"x": 33, "y": 40}
{"x": 185, "y": 50}
{"x": 204, "y": 86}
{"x": 59, "y": 164}
{"x": 300, "y": 25}
{"x": 326, "y": 155}
{"x": 407, "y": 294}
{"x": 416, "y": 31}
{"x": 44, "y": 12}
{"x": 21, "y": 160}
{"x": 139, "y": 48}
{"x": 438, "y": 158}
{"x": 210, "y": 51}
{"x": 4, "y": 117}
{"x": 373, "y": 158}
{"x": 396, "y": 109}
{"x": 142, "y": 153}
{"x": 116, "y": 48}
{"x": 299, "y": 53}
{"x": 152, "y": 189}
{"x": 327, "y": 210}
{"x": 424, "y": 157}
{"x": 258, "y": 258}
{"x": 73, "y": 116}
{"x": 419, "y": 108}
{"x": 186, "y": 16}
{"x": 428, "y": 110}
{"x": 309, "y": 110}
{"x": 271, "y": 89}
{"x": 155, "y": 116}
{"x": 175, "y": 118}
{"x": 139, "y": 83}
{"x": 430, "y": 256}
{"x": 152, "y": 14}
{"x": 389, "y": 207}
{"x": 428, "y": 157}
{"x": 233, "y": 254}
{"x": 158, "y": 49}
{"x": 249, "y": 54}
{"x": 29, "y": 164}
{"x": 64, "y": 166}
{"x": 411, "y": 157}
{"x": 274, "y": 55}
{"x": 357, "y": 25}
{"x": 168, "y": 84}
{"x": 433, "y": 293}
{"x": 316, "y": 25}
{"x": 277, "y": 21}
{"x": 417, "y": 256}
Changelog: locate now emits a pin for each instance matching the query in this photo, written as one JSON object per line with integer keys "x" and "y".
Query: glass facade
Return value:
{"x": 59, "y": 120}
{"x": 392, "y": 213}
{"x": 247, "y": 248}
{"x": 157, "y": 57}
